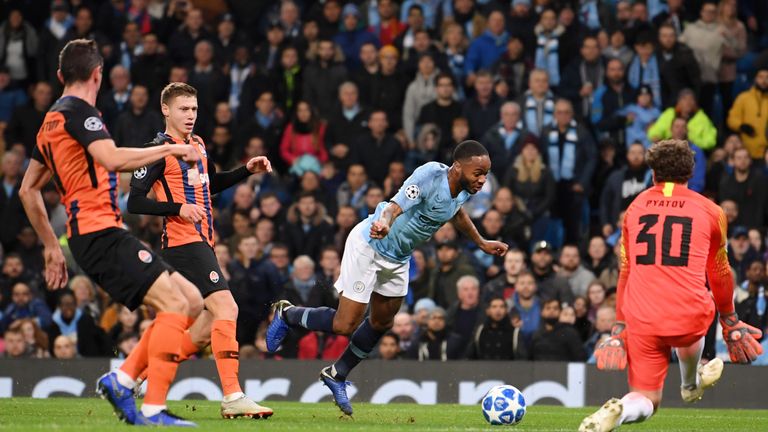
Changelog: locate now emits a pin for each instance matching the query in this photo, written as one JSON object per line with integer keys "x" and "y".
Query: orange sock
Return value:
{"x": 226, "y": 354}
{"x": 137, "y": 361}
{"x": 164, "y": 352}
{"x": 188, "y": 349}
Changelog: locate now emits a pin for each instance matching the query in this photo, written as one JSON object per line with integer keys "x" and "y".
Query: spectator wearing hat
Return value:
{"x": 352, "y": 36}
{"x": 18, "y": 46}
{"x": 505, "y": 139}
{"x": 749, "y": 115}
{"x": 486, "y": 49}
{"x": 322, "y": 79}
{"x": 447, "y": 272}
{"x": 550, "y": 284}
{"x": 740, "y": 253}
{"x": 639, "y": 117}
{"x": 746, "y": 187}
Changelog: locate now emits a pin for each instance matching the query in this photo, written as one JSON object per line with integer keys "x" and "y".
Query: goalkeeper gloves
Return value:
{"x": 741, "y": 339}
{"x": 611, "y": 354}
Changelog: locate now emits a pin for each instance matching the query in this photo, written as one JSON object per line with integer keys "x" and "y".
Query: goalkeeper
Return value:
{"x": 673, "y": 243}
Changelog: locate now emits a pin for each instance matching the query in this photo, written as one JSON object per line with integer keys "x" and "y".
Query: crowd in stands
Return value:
{"x": 347, "y": 98}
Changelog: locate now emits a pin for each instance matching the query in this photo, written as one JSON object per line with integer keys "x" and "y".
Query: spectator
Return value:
{"x": 645, "y": 68}
{"x": 745, "y": 187}
{"x": 280, "y": 257}
{"x": 137, "y": 125}
{"x": 622, "y": 186}
{"x": 443, "y": 110}
{"x": 352, "y": 191}
{"x": 129, "y": 47}
{"x": 128, "y": 321}
{"x": 548, "y": 53}
{"x": 307, "y": 228}
{"x": 12, "y": 216}
{"x": 352, "y": 36}
{"x": 151, "y": 67}
{"x": 51, "y": 36}
{"x": 346, "y": 219}
{"x": 446, "y": 274}
{"x": 455, "y": 44}
{"x": 583, "y": 77}
{"x": 609, "y": 104}
{"x": 639, "y": 117}
{"x": 427, "y": 147}
{"x": 583, "y": 325}
{"x": 745, "y": 115}
{"x": 525, "y": 306}
{"x": 389, "y": 344}
{"x": 388, "y": 27}
{"x": 538, "y": 102}
{"x": 266, "y": 123}
{"x": 570, "y": 153}
{"x": 34, "y": 337}
{"x": 318, "y": 345}
{"x": 115, "y": 100}
{"x": 376, "y": 149}
{"x": 496, "y": 338}
{"x": 740, "y": 253}
{"x": 303, "y": 288}
{"x": 680, "y": 132}
{"x": 465, "y": 314}
{"x": 674, "y": 16}
{"x": 85, "y": 295}
{"x": 505, "y": 139}
{"x": 403, "y": 326}
{"x": 304, "y": 135}
{"x": 678, "y": 68}
{"x": 513, "y": 67}
{"x": 227, "y": 40}
{"x": 329, "y": 20}
{"x": 596, "y": 294}
{"x": 550, "y": 284}
{"x": 181, "y": 45}
{"x": 638, "y": 24}
{"x": 503, "y": 285}
{"x": 64, "y": 348}
{"x": 486, "y": 49}
{"x": 126, "y": 342}
{"x": 618, "y": 48}
{"x": 750, "y": 297}
{"x": 323, "y": 77}
{"x": 436, "y": 342}
{"x": 530, "y": 180}
{"x": 330, "y": 266}
{"x": 734, "y": 47}
{"x": 482, "y": 111}
{"x": 366, "y": 74}
{"x": 605, "y": 318}
{"x": 701, "y": 131}
{"x": 571, "y": 269}
{"x": 389, "y": 87}
{"x": 346, "y": 123}
{"x": 289, "y": 18}
{"x": 27, "y": 119}
{"x": 15, "y": 345}
{"x": 395, "y": 178}
{"x": 555, "y": 341}
{"x": 421, "y": 311}
{"x": 210, "y": 83}
{"x": 18, "y": 46}
{"x": 11, "y": 96}
{"x": 70, "y": 321}
{"x": 706, "y": 40}
{"x": 420, "y": 92}
{"x": 24, "y": 305}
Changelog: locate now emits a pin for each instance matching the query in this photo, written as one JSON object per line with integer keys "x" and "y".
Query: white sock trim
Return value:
{"x": 124, "y": 379}
{"x": 149, "y": 410}
{"x": 233, "y": 396}
{"x": 636, "y": 408}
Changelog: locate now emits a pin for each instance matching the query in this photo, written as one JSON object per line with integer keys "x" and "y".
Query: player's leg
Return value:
{"x": 694, "y": 377}
{"x": 341, "y": 321}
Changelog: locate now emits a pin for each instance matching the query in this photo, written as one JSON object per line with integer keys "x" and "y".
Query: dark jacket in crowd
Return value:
{"x": 680, "y": 71}
{"x": 562, "y": 343}
{"x": 321, "y": 84}
{"x": 497, "y": 340}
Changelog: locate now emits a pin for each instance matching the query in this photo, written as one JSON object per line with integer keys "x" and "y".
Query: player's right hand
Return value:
{"x": 187, "y": 153}
{"x": 741, "y": 339}
{"x": 379, "y": 230}
{"x": 56, "y": 276}
{"x": 611, "y": 354}
{"x": 191, "y": 213}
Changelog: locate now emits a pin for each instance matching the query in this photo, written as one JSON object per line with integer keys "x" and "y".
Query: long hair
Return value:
{"x": 41, "y": 338}
{"x": 314, "y": 123}
{"x": 528, "y": 172}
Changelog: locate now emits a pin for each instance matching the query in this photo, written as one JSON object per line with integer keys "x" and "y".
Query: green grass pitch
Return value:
{"x": 83, "y": 415}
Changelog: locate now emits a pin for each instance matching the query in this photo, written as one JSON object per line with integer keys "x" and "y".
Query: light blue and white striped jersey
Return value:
{"x": 427, "y": 204}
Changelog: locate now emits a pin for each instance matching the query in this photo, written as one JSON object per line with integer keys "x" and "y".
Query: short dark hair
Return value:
{"x": 495, "y": 297}
{"x": 552, "y": 300}
{"x": 467, "y": 149}
{"x": 306, "y": 194}
{"x": 393, "y": 335}
{"x": 174, "y": 90}
{"x": 671, "y": 161}
{"x": 78, "y": 59}
{"x": 445, "y": 75}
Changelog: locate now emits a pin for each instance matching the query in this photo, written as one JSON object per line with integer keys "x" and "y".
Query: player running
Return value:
{"x": 673, "y": 243}
{"x": 75, "y": 149}
{"x": 374, "y": 268}
{"x": 183, "y": 194}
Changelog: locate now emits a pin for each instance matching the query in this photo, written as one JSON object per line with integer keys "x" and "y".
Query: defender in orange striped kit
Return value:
{"x": 183, "y": 197}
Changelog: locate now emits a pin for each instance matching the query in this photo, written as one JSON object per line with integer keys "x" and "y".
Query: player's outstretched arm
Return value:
{"x": 611, "y": 354}
{"x": 123, "y": 159}
{"x": 380, "y": 228}
{"x": 463, "y": 223}
{"x": 226, "y": 179}
{"x": 36, "y": 177}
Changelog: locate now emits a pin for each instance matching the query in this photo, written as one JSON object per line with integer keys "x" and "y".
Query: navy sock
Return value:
{"x": 363, "y": 340}
{"x": 317, "y": 319}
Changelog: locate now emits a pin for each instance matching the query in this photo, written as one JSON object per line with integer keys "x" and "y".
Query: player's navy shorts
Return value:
{"x": 119, "y": 263}
{"x": 197, "y": 262}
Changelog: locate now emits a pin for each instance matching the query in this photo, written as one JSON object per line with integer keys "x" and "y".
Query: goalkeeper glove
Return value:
{"x": 741, "y": 339}
{"x": 611, "y": 354}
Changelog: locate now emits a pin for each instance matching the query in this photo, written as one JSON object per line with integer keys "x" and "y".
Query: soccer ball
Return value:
{"x": 503, "y": 405}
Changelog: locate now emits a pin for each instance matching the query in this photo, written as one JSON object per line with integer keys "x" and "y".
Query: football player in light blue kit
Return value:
{"x": 377, "y": 253}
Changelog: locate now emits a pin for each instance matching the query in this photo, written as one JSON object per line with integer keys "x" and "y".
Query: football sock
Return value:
{"x": 188, "y": 349}
{"x": 689, "y": 358}
{"x": 226, "y": 354}
{"x": 137, "y": 360}
{"x": 363, "y": 340}
{"x": 316, "y": 319}
{"x": 637, "y": 408}
{"x": 164, "y": 353}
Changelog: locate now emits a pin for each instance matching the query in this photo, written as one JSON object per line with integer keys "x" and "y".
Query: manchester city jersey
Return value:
{"x": 427, "y": 204}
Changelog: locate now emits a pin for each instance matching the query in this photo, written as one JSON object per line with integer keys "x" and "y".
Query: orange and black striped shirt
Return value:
{"x": 88, "y": 190}
{"x": 175, "y": 183}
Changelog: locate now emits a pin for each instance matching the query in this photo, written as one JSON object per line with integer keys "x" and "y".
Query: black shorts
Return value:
{"x": 197, "y": 263}
{"x": 119, "y": 263}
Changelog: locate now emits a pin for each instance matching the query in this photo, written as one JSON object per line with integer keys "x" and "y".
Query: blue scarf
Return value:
{"x": 547, "y": 57}
{"x": 532, "y": 120}
{"x": 303, "y": 288}
{"x": 650, "y": 76}
{"x": 562, "y": 166}
{"x": 67, "y": 329}
{"x": 511, "y": 137}
{"x": 589, "y": 15}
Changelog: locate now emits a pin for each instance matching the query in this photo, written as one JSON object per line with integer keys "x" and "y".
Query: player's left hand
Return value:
{"x": 379, "y": 230}
{"x": 492, "y": 247}
{"x": 741, "y": 339}
{"x": 259, "y": 164}
{"x": 611, "y": 354}
{"x": 56, "y": 276}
